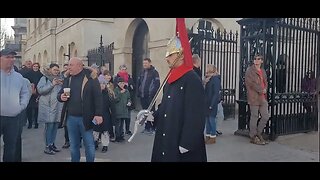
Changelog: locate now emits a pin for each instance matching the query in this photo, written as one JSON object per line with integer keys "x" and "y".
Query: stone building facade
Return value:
{"x": 48, "y": 39}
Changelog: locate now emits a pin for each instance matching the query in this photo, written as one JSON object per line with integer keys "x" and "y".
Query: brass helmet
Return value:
{"x": 173, "y": 46}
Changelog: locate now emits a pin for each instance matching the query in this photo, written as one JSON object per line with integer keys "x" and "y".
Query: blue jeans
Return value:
{"x": 51, "y": 132}
{"x": 211, "y": 126}
{"x": 76, "y": 130}
{"x": 10, "y": 128}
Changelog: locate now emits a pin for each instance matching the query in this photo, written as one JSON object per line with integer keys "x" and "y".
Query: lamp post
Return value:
{"x": 68, "y": 55}
{"x": 101, "y": 50}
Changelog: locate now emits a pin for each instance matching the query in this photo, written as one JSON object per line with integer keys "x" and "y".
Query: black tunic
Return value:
{"x": 181, "y": 122}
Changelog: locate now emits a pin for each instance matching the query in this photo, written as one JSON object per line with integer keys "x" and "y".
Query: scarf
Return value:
{"x": 124, "y": 75}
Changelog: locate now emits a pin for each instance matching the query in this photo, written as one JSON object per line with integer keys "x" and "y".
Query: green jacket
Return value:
{"x": 121, "y": 100}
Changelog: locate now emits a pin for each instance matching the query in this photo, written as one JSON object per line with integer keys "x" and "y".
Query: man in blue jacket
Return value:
{"x": 15, "y": 96}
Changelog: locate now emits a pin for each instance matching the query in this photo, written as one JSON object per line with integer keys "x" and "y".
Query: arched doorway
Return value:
{"x": 45, "y": 58}
{"x": 140, "y": 50}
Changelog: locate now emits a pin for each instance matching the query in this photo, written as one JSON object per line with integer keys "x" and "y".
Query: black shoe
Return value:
{"x": 49, "y": 151}
{"x": 219, "y": 133}
{"x": 96, "y": 144}
{"x": 104, "y": 149}
{"x": 66, "y": 145}
{"x": 29, "y": 127}
{"x": 129, "y": 133}
{"x": 54, "y": 148}
{"x": 36, "y": 126}
{"x": 121, "y": 139}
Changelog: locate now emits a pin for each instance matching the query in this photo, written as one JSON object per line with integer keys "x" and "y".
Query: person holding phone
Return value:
{"x": 49, "y": 107}
{"x": 122, "y": 102}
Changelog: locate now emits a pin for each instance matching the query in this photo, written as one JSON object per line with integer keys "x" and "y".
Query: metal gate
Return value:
{"x": 290, "y": 47}
{"x": 219, "y": 48}
{"x": 102, "y": 55}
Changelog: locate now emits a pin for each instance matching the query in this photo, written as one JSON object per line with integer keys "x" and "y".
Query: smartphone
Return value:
{"x": 94, "y": 121}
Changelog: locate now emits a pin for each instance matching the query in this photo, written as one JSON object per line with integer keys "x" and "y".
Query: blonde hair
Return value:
{"x": 110, "y": 90}
{"x": 211, "y": 69}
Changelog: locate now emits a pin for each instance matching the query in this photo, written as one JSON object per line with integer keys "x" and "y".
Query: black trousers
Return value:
{"x": 10, "y": 128}
{"x": 66, "y": 135}
{"x": 32, "y": 114}
{"x": 23, "y": 120}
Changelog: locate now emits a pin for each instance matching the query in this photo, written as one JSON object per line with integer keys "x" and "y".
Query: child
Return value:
{"x": 122, "y": 102}
{"x": 104, "y": 127}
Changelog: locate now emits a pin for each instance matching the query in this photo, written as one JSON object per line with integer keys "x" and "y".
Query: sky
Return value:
{"x": 6, "y": 24}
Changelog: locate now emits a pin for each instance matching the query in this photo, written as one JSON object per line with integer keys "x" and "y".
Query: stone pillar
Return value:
{"x": 122, "y": 56}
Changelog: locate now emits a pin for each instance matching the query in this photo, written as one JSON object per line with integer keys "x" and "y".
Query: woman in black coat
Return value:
{"x": 34, "y": 77}
{"x": 212, "y": 99}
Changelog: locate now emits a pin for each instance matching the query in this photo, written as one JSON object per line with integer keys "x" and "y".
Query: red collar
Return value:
{"x": 178, "y": 72}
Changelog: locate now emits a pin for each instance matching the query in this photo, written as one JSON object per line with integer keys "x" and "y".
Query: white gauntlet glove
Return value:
{"x": 150, "y": 116}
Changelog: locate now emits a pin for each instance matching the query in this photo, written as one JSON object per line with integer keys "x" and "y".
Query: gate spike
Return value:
{"x": 290, "y": 22}
{"x": 304, "y": 22}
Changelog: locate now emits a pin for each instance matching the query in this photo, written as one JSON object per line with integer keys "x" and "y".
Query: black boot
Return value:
{"x": 104, "y": 149}
{"x": 66, "y": 145}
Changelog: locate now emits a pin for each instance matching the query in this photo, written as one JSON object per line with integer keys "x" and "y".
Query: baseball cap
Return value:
{"x": 7, "y": 51}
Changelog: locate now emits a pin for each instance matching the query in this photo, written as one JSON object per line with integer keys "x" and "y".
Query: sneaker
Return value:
{"x": 256, "y": 140}
{"x": 49, "y": 151}
{"x": 129, "y": 133}
{"x": 219, "y": 133}
{"x": 104, "y": 149}
{"x": 54, "y": 148}
{"x": 66, "y": 145}
{"x": 262, "y": 139}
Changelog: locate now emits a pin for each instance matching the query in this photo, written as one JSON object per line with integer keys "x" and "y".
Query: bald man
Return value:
{"x": 26, "y": 69}
{"x": 82, "y": 107}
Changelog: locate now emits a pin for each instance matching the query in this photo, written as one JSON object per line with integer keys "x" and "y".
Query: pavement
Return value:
{"x": 303, "y": 147}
